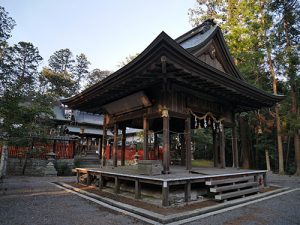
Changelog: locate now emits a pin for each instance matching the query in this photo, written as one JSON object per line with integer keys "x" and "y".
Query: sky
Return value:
{"x": 106, "y": 31}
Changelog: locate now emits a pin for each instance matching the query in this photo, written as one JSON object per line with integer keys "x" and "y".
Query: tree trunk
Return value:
{"x": 3, "y": 162}
{"x": 292, "y": 75}
{"x": 274, "y": 84}
{"x": 268, "y": 160}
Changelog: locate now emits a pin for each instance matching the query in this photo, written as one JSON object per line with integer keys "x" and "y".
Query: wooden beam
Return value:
{"x": 188, "y": 143}
{"x": 145, "y": 143}
{"x": 117, "y": 185}
{"x": 166, "y": 141}
{"x": 115, "y": 148}
{"x": 104, "y": 141}
{"x": 123, "y": 146}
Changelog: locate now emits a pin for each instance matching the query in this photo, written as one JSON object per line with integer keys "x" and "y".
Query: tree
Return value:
{"x": 58, "y": 78}
{"x": 287, "y": 36}
{"x": 80, "y": 70}
{"x": 19, "y": 67}
{"x": 62, "y": 61}
{"x": 24, "y": 113}
{"x": 96, "y": 75}
{"x": 57, "y": 84}
{"x": 128, "y": 59}
{"x": 6, "y": 26}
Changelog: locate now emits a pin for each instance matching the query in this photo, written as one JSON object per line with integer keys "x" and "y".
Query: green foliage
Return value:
{"x": 96, "y": 75}
{"x": 128, "y": 59}
{"x": 6, "y": 26}
{"x": 80, "y": 70}
{"x": 58, "y": 84}
{"x": 202, "y": 139}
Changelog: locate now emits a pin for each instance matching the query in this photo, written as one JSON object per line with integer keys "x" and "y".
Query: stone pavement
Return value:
{"x": 33, "y": 200}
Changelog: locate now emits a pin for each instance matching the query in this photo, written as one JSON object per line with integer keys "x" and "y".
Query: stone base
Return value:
{"x": 50, "y": 170}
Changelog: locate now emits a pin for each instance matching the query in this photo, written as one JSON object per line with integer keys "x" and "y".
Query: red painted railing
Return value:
{"x": 130, "y": 153}
{"x": 62, "y": 151}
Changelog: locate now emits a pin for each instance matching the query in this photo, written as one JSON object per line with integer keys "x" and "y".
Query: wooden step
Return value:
{"x": 228, "y": 181}
{"x": 233, "y": 187}
{"x": 237, "y": 193}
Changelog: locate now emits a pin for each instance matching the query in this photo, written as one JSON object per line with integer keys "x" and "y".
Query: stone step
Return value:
{"x": 225, "y": 196}
{"x": 233, "y": 187}
{"x": 228, "y": 181}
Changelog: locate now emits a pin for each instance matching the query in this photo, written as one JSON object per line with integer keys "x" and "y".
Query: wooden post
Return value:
{"x": 88, "y": 179}
{"x": 235, "y": 156}
{"x": 215, "y": 148}
{"x": 99, "y": 146}
{"x": 123, "y": 146}
{"x": 222, "y": 147}
{"x": 265, "y": 179}
{"x": 165, "y": 194}
{"x": 183, "y": 149}
{"x": 156, "y": 146}
{"x": 100, "y": 184}
{"x": 187, "y": 191}
{"x": 166, "y": 141}
{"x": 115, "y": 149}
{"x": 137, "y": 193}
{"x": 188, "y": 143}
{"x": 145, "y": 143}
{"x": 117, "y": 185}
{"x": 104, "y": 141}
{"x": 78, "y": 177}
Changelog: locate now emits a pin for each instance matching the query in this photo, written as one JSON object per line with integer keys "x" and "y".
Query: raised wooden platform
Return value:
{"x": 178, "y": 176}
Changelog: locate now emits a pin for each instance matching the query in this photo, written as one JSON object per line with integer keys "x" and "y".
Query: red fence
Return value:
{"x": 130, "y": 153}
{"x": 62, "y": 151}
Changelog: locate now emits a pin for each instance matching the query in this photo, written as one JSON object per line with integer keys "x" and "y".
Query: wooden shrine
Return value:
{"x": 174, "y": 86}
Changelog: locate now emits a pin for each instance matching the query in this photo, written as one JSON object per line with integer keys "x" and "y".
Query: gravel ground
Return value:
{"x": 32, "y": 200}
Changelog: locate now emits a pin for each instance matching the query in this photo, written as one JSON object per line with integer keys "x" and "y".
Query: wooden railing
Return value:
{"x": 40, "y": 151}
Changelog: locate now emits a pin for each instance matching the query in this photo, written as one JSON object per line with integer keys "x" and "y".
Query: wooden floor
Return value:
{"x": 178, "y": 176}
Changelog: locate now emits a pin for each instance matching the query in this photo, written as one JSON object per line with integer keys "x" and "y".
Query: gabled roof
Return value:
{"x": 182, "y": 67}
{"x": 198, "y": 37}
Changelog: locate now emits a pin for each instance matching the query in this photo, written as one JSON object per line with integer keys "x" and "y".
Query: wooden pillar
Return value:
{"x": 123, "y": 146}
{"x": 145, "y": 143}
{"x": 137, "y": 193}
{"x": 156, "y": 146}
{"x": 115, "y": 149}
{"x": 183, "y": 149}
{"x": 215, "y": 148}
{"x": 188, "y": 143}
{"x": 104, "y": 141}
{"x": 99, "y": 146}
{"x": 166, "y": 142}
{"x": 222, "y": 147}
{"x": 165, "y": 194}
{"x": 235, "y": 156}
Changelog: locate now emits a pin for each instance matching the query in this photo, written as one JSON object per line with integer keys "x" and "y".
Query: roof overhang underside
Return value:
{"x": 181, "y": 68}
